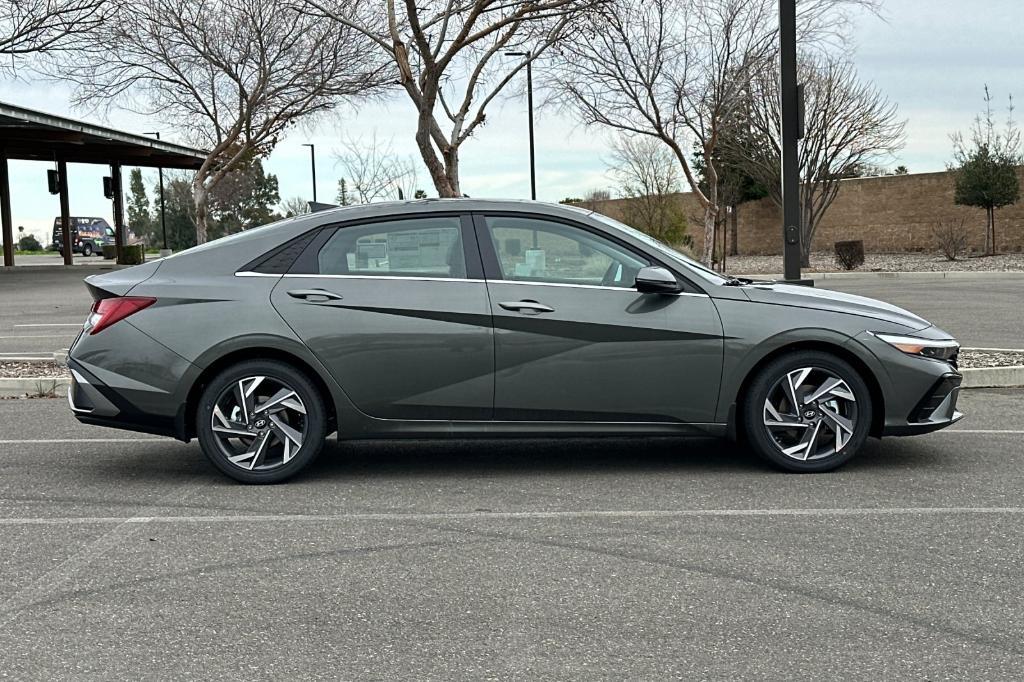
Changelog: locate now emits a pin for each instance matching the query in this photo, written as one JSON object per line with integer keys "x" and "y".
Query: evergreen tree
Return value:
{"x": 140, "y": 221}
{"x": 986, "y": 168}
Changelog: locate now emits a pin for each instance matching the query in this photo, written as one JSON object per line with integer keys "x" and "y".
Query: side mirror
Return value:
{"x": 655, "y": 279}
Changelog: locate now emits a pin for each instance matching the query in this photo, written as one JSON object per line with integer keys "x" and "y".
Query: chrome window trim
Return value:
{"x": 297, "y": 275}
{"x": 303, "y": 275}
{"x": 249, "y": 273}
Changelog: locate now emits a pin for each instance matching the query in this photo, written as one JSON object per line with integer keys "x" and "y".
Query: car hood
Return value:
{"x": 833, "y": 301}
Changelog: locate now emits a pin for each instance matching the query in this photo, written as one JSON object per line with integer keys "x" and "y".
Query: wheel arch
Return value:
{"x": 840, "y": 351}
{"x": 187, "y": 413}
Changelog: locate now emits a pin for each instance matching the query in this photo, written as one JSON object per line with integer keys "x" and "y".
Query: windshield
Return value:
{"x": 662, "y": 248}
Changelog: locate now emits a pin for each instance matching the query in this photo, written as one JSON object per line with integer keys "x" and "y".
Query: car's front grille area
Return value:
{"x": 934, "y": 397}
{"x": 954, "y": 361}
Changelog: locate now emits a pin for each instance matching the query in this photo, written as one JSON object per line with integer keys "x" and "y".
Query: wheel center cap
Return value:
{"x": 260, "y": 423}
{"x": 810, "y": 414}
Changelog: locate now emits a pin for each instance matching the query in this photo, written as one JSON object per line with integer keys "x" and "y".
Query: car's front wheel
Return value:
{"x": 261, "y": 421}
{"x": 807, "y": 411}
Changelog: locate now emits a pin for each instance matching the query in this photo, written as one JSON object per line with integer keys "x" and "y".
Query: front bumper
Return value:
{"x": 935, "y": 410}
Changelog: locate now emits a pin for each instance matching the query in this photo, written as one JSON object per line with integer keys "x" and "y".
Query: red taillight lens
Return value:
{"x": 107, "y": 311}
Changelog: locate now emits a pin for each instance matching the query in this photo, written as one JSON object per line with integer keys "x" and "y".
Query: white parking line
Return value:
{"x": 39, "y": 336}
{"x": 29, "y": 441}
{"x": 58, "y": 441}
{"x": 50, "y": 324}
{"x": 510, "y": 515}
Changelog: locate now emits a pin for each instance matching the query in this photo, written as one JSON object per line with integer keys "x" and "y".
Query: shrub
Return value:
{"x": 951, "y": 238}
{"x": 133, "y": 254}
{"x": 850, "y": 255}
{"x": 29, "y": 243}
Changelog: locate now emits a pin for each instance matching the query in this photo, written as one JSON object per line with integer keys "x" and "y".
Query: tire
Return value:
{"x": 841, "y": 416}
{"x": 87, "y": 250}
{"x": 270, "y": 454}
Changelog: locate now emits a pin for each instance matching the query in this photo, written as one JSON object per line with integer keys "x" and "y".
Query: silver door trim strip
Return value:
{"x": 458, "y": 279}
{"x": 295, "y": 275}
{"x": 586, "y": 286}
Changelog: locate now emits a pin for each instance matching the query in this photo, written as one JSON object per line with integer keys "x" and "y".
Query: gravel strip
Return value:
{"x": 16, "y": 370}
{"x": 824, "y": 261}
{"x": 986, "y": 358}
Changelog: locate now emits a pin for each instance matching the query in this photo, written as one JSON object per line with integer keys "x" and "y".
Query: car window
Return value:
{"x": 537, "y": 250}
{"x": 415, "y": 247}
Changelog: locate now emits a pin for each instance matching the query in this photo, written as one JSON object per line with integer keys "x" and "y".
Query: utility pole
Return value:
{"x": 163, "y": 216}
{"x": 529, "y": 105}
{"x": 792, "y": 126}
{"x": 312, "y": 165}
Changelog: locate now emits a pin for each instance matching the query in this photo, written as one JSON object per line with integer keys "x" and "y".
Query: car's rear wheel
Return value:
{"x": 87, "y": 250}
{"x": 261, "y": 421}
{"x": 807, "y": 411}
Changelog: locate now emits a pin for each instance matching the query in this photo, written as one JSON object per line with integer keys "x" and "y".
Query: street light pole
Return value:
{"x": 529, "y": 104}
{"x": 163, "y": 215}
{"x": 791, "y": 132}
{"x": 312, "y": 165}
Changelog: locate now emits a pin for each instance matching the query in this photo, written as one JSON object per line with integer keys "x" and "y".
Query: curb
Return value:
{"x": 16, "y": 387}
{"x": 89, "y": 269}
{"x": 866, "y": 274}
{"x": 993, "y": 377}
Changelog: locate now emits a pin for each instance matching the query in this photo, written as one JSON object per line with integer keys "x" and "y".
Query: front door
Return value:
{"x": 397, "y": 311}
{"x": 575, "y": 341}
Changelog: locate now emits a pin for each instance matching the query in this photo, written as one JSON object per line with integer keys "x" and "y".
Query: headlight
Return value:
{"x": 943, "y": 349}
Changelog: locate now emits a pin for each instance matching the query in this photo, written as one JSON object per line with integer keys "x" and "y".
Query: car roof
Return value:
{"x": 409, "y": 206}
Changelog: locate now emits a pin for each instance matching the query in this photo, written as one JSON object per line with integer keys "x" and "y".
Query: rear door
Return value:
{"x": 575, "y": 341}
{"x": 397, "y": 310}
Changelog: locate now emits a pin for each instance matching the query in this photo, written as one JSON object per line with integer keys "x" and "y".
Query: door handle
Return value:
{"x": 314, "y": 295}
{"x": 528, "y": 307}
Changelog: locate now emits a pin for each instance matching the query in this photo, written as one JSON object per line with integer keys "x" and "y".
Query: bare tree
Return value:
{"x": 849, "y": 126}
{"x": 39, "y": 26}
{"x": 677, "y": 71}
{"x": 649, "y": 177}
{"x": 294, "y": 206}
{"x": 442, "y": 53}
{"x": 232, "y": 75}
{"x": 670, "y": 70}
{"x": 374, "y": 171}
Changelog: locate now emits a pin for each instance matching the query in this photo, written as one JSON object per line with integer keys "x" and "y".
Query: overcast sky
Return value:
{"x": 931, "y": 57}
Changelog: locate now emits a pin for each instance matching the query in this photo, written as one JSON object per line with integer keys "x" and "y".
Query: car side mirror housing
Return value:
{"x": 655, "y": 279}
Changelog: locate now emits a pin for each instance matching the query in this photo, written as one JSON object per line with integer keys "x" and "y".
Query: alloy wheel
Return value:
{"x": 810, "y": 413}
{"x": 259, "y": 422}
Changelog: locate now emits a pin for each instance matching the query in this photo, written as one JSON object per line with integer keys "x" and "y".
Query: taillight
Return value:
{"x": 107, "y": 311}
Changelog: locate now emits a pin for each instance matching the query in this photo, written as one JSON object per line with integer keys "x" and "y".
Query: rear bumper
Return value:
{"x": 93, "y": 402}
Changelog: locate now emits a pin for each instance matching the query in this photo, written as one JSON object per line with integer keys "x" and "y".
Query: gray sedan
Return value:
{"x": 458, "y": 318}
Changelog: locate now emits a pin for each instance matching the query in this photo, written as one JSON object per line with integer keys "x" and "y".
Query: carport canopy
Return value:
{"x": 26, "y": 134}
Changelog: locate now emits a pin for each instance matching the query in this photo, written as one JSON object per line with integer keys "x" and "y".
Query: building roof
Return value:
{"x": 37, "y": 136}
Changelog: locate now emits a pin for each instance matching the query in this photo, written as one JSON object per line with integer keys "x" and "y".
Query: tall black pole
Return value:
{"x": 790, "y": 135}
{"x": 312, "y": 165}
{"x": 163, "y": 214}
{"x": 528, "y": 55}
{"x": 529, "y": 104}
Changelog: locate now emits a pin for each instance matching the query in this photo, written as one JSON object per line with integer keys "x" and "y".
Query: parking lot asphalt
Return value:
{"x": 44, "y": 309}
{"x": 127, "y": 556}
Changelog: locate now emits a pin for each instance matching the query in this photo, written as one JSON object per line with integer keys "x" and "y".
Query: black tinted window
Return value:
{"x": 415, "y": 247}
